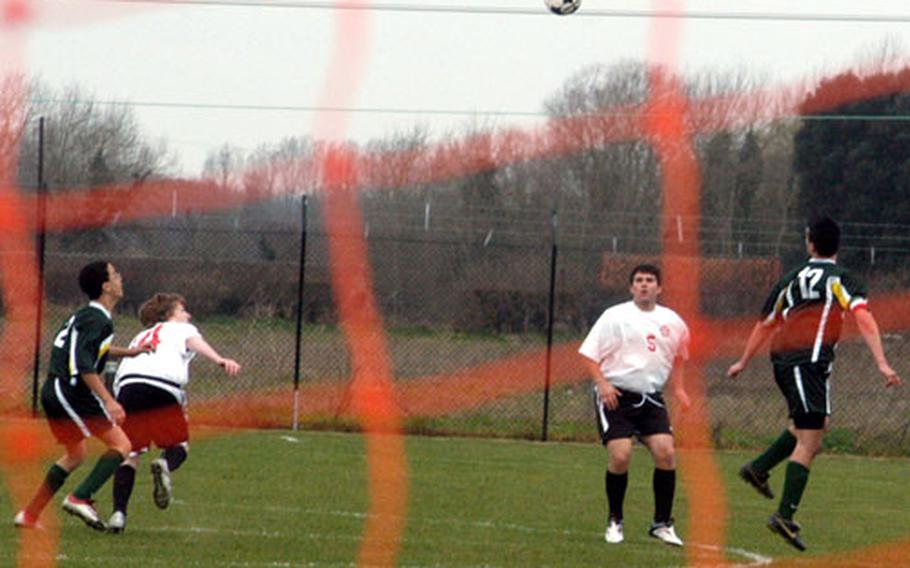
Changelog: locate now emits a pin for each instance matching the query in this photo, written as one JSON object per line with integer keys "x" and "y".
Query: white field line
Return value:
{"x": 753, "y": 558}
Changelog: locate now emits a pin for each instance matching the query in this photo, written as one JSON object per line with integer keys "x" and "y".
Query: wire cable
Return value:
{"x": 586, "y": 11}
{"x": 407, "y": 111}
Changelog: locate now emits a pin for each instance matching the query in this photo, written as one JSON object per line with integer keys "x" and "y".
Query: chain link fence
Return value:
{"x": 466, "y": 306}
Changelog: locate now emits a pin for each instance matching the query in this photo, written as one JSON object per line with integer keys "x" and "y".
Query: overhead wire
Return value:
{"x": 586, "y": 12}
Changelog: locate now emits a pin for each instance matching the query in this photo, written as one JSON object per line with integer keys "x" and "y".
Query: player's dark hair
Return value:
{"x": 92, "y": 278}
{"x": 824, "y": 234}
{"x": 644, "y": 269}
{"x": 159, "y": 308}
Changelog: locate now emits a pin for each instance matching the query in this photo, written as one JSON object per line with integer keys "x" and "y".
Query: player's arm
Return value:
{"x": 120, "y": 352}
{"x": 764, "y": 328}
{"x": 678, "y": 383}
{"x": 868, "y": 328}
{"x": 201, "y": 346}
{"x": 760, "y": 333}
{"x": 94, "y": 382}
{"x": 608, "y": 392}
{"x": 93, "y": 339}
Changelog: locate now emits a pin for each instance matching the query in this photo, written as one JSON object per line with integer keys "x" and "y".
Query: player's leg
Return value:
{"x": 664, "y": 478}
{"x": 616, "y": 433}
{"x": 173, "y": 435}
{"x": 620, "y": 452}
{"x": 79, "y": 502}
{"x": 809, "y": 409}
{"x": 68, "y": 432}
{"x": 138, "y": 428}
{"x": 808, "y": 445}
{"x": 654, "y": 424}
{"x": 124, "y": 480}
{"x": 174, "y": 456}
{"x": 53, "y": 481}
{"x": 757, "y": 472}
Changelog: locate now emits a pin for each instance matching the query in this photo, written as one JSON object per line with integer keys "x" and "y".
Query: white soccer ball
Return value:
{"x": 562, "y": 7}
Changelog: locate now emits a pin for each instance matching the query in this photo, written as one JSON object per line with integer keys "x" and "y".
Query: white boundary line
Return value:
{"x": 753, "y": 558}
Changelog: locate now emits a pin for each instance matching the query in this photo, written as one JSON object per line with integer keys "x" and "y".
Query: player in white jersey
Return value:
{"x": 630, "y": 353}
{"x": 151, "y": 388}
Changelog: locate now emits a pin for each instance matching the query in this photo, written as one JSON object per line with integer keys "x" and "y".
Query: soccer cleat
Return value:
{"x": 756, "y": 479}
{"x": 23, "y": 520}
{"x": 788, "y": 529}
{"x": 85, "y": 510}
{"x": 161, "y": 476}
{"x": 117, "y": 523}
{"x": 614, "y": 535}
{"x": 664, "y": 532}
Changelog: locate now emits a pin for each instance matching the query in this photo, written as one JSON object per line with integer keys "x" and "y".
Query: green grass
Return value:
{"x": 277, "y": 498}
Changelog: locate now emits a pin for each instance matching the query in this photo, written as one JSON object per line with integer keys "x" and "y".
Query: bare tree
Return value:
{"x": 88, "y": 143}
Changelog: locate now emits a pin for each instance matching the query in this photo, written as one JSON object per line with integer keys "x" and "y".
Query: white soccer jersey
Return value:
{"x": 168, "y": 366}
{"x": 635, "y": 348}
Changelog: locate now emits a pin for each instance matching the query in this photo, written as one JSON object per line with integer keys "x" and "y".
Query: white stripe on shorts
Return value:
{"x": 69, "y": 410}
{"x": 601, "y": 415}
{"x": 799, "y": 386}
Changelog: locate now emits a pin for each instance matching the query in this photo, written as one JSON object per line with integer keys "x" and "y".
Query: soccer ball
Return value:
{"x": 562, "y": 7}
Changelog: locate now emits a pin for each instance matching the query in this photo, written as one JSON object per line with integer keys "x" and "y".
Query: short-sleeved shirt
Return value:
{"x": 81, "y": 346}
{"x": 167, "y": 367}
{"x": 635, "y": 348}
{"x": 809, "y": 304}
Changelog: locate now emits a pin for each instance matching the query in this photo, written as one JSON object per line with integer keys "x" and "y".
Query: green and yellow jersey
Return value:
{"x": 809, "y": 303}
{"x": 82, "y": 345}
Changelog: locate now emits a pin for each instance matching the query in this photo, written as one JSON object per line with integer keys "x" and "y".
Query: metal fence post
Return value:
{"x": 41, "y": 223}
{"x": 299, "y": 336}
{"x": 550, "y": 303}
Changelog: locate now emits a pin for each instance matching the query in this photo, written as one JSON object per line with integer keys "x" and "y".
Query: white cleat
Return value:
{"x": 614, "y": 535}
{"x": 117, "y": 523}
{"x": 664, "y": 532}
{"x": 23, "y": 520}
{"x": 83, "y": 509}
{"x": 161, "y": 476}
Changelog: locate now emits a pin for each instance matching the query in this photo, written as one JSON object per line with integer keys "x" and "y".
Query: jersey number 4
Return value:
{"x": 150, "y": 337}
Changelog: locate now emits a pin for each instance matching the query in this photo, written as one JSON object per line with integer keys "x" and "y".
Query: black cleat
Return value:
{"x": 788, "y": 529}
{"x": 756, "y": 479}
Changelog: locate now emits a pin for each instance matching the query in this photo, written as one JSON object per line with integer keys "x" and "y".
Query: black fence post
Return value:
{"x": 299, "y": 336}
{"x": 546, "y": 391}
{"x": 41, "y": 223}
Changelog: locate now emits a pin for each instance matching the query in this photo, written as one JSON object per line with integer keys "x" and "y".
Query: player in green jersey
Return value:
{"x": 803, "y": 316}
{"x": 76, "y": 402}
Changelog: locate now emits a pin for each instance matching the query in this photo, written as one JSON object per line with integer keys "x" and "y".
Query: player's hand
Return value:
{"x": 891, "y": 377}
{"x": 115, "y": 411}
{"x": 735, "y": 369}
{"x": 230, "y": 367}
{"x": 683, "y": 399}
{"x": 144, "y": 348}
{"x": 609, "y": 394}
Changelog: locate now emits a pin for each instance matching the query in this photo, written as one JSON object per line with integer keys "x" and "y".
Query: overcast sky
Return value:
{"x": 183, "y": 65}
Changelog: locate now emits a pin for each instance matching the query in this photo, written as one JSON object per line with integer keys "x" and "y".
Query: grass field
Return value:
{"x": 279, "y": 498}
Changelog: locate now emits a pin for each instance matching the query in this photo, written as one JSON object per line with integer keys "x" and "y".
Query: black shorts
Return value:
{"x": 637, "y": 415}
{"x": 152, "y": 415}
{"x": 71, "y": 414}
{"x": 807, "y": 392}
